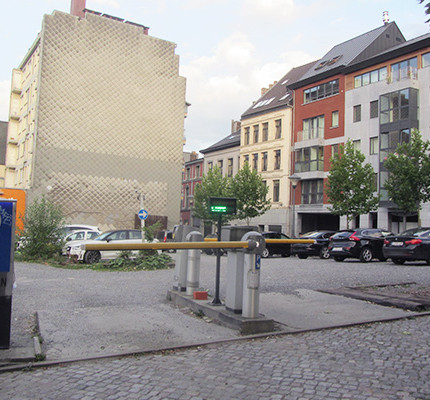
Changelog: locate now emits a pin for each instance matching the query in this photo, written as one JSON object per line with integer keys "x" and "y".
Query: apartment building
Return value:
{"x": 224, "y": 154}
{"x": 3, "y": 141}
{"x": 386, "y": 96}
{"x": 322, "y": 121}
{"x": 266, "y": 146}
{"x": 191, "y": 177}
{"x": 97, "y": 117}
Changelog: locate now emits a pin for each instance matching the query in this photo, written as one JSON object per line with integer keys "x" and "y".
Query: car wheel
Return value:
{"x": 324, "y": 253}
{"x": 366, "y": 254}
{"x": 265, "y": 253}
{"x": 339, "y": 258}
{"x": 92, "y": 257}
{"x": 302, "y": 256}
{"x": 398, "y": 261}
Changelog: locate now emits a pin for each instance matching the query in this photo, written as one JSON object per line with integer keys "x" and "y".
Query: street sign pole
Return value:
{"x": 220, "y": 206}
{"x": 216, "y": 300}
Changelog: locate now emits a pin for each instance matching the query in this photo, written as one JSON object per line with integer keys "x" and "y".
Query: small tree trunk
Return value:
{"x": 404, "y": 222}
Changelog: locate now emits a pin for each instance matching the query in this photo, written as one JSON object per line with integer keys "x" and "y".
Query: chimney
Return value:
{"x": 235, "y": 125}
{"x": 264, "y": 91}
{"x": 77, "y": 8}
{"x": 193, "y": 156}
{"x": 385, "y": 18}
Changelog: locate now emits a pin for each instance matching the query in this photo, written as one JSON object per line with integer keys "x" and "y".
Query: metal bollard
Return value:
{"x": 234, "y": 284}
{"x": 181, "y": 260}
{"x": 193, "y": 266}
{"x": 251, "y": 276}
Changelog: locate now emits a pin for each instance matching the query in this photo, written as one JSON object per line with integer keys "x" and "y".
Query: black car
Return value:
{"x": 364, "y": 244}
{"x": 319, "y": 248}
{"x": 410, "y": 245}
{"x": 284, "y": 249}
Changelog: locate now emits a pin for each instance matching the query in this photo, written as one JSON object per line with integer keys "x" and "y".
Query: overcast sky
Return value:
{"x": 229, "y": 49}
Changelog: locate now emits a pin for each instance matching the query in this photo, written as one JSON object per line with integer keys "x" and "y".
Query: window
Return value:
{"x": 230, "y": 167}
{"x": 388, "y": 142}
{"x": 313, "y": 128}
{"x": 312, "y": 191}
{"x": 404, "y": 70}
{"x": 210, "y": 165}
{"x": 357, "y": 113}
{"x": 275, "y": 190}
{"x": 277, "y": 159}
{"x": 357, "y": 145}
{"x": 374, "y": 145}
{"x": 425, "y": 60}
{"x": 256, "y": 133}
{"x": 247, "y": 135}
{"x": 264, "y": 161}
{"x": 374, "y": 109}
{"x": 198, "y": 171}
{"x": 321, "y": 91}
{"x": 334, "y": 149}
{"x": 370, "y": 77}
{"x": 278, "y": 128}
{"x": 309, "y": 159}
{"x": 220, "y": 164}
{"x": 188, "y": 173}
{"x": 255, "y": 161}
{"x": 265, "y": 132}
{"x": 334, "y": 119}
{"x": 397, "y": 106}
{"x": 246, "y": 159}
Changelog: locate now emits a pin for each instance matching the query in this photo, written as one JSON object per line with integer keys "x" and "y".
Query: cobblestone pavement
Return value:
{"x": 379, "y": 361}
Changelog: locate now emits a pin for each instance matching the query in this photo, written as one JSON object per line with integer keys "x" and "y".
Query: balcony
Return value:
{"x": 314, "y": 137}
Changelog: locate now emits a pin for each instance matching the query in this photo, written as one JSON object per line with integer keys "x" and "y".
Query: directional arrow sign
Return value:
{"x": 143, "y": 214}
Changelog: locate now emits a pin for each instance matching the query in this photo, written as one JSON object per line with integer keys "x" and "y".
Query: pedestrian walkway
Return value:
{"x": 378, "y": 361}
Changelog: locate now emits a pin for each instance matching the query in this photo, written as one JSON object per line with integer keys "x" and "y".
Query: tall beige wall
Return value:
{"x": 109, "y": 124}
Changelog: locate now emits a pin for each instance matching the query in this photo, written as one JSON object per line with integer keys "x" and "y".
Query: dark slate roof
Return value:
{"x": 3, "y": 140}
{"x": 396, "y": 51}
{"x": 231, "y": 140}
{"x": 278, "y": 95}
{"x": 352, "y": 51}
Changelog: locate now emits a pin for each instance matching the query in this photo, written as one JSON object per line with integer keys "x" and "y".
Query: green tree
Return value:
{"x": 427, "y": 7}
{"x": 250, "y": 191}
{"x": 351, "y": 185}
{"x": 42, "y": 230}
{"x": 408, "y": 183}
{"x": 213, "y": 185}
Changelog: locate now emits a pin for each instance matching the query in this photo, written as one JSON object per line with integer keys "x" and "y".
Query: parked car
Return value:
{"x": 66, "y": 229}
{"x": 93, "y": 256}
{"x": 75, "y": 236}
{"x": 411, "y": 245}
{"x": 318, "y": 248}
{"x": 284, "y": 249}
{"x": 364, "y": 244}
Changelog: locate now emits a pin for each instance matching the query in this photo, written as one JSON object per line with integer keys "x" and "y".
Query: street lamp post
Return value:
{"x": 294, "y": 179}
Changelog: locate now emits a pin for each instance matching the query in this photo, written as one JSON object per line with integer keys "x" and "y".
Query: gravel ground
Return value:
{"x": 126, "y": 311}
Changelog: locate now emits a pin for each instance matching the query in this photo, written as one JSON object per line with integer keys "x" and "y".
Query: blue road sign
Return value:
{"x": 143, "y": 214}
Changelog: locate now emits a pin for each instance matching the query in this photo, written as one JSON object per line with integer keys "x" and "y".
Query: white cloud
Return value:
{"x": 4, "y": 100}
{"x": 272, "y": 10}
{"x": 193, "y": 4}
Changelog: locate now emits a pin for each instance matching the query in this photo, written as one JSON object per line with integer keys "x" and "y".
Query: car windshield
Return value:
{"x": 342, "y": 235}
{"x": 416, "y": 232}
{"x": 311, "y": 234}
{"x": 103, "y": 235}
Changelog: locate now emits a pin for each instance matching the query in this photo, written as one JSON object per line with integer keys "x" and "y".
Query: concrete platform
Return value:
{"x": 220, "y": 315}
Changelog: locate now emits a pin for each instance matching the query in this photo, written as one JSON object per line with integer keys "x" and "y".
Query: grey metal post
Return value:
{"x": 234, "y": 284}
{"x": 181, "y": 260}
{"x": 193, "y": 267}
{"x": 251, "y": 276}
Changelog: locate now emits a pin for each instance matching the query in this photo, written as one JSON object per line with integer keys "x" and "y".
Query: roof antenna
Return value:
{"x": 385, "y": 18}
